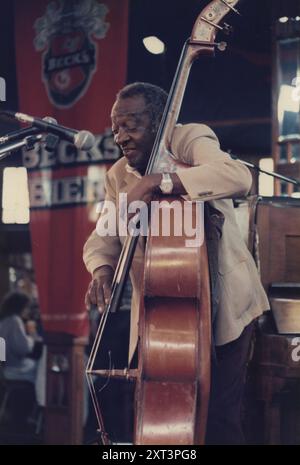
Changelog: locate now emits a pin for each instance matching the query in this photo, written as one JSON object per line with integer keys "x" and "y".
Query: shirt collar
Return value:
{"x": 133, "y": 171}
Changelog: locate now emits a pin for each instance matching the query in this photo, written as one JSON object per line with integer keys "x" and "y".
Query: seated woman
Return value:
{"x": 22, "y": 343}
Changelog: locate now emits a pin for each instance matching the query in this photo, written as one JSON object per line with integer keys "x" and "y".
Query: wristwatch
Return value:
{"x": 166, "y": 185}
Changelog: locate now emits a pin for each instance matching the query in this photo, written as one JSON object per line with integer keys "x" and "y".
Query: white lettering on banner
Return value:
{"x": 66, "y": 154}
{"x": 79, "y": 58}
{"x": 47, "y": 193}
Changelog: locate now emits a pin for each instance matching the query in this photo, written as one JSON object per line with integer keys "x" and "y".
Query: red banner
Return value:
{"x": 71, "y": 60}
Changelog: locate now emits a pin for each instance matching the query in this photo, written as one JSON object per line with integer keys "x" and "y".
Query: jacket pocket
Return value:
{"x": 236, "y": 290}
{"x": 228, "y": 264}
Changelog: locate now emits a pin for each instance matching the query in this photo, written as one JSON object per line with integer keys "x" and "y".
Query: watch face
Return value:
{"x": 166, "y": 184}
{"x": 168, "y": 187}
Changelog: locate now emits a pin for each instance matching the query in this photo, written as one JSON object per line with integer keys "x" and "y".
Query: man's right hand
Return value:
{"x": 99, "y": 289}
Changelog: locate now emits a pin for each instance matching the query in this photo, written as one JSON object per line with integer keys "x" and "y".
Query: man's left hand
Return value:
{"x": 148, "y": 185}
{"x": 144, "y": 189}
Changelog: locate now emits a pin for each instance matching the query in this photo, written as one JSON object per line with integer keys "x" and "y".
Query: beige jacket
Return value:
{"x": 213, "y": 177}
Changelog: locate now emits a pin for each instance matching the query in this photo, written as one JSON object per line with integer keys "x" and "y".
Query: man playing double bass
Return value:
{"x": 212, "y": 177}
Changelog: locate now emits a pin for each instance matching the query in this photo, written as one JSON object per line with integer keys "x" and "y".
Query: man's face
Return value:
{"x": 132, "y": 129}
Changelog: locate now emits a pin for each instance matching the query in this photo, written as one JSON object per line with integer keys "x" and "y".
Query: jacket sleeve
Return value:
{"x": 212, "y": 174}
{"x": 101, "y": 249}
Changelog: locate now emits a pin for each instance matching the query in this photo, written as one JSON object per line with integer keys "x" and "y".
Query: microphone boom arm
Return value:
{"x": 28, "y": 143}
{"x": 269, "y": 173}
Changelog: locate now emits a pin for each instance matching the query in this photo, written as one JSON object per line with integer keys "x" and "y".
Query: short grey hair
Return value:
{"x": 155, "y": 99}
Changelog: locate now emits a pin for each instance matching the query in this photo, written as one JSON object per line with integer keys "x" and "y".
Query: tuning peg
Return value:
{"x": 221, "y": 46}
{"x": 231, "y": 7}
{"x": 227, "y": 29}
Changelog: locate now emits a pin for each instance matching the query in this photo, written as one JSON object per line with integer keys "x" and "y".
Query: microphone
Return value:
{"x": 83, "y": 140}
{"x": 29, "y": 131}
{"x": 19, "y": 134}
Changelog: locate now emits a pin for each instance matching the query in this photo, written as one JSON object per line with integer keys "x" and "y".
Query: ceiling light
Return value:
{"x": 154, "y": 45}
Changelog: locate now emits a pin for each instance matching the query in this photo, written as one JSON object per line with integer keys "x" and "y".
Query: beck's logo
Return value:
{"x": 65, "y": 33}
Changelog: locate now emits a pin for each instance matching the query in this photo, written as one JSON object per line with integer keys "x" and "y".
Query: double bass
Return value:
{"x": 172, "y": 379}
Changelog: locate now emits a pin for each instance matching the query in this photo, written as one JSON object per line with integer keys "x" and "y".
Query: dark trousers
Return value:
{"x": 224, "y": 424}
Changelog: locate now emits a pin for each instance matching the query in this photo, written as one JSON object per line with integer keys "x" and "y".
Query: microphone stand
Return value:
{"x": 269, "y": 173}
{"x": 28, "y": 143}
